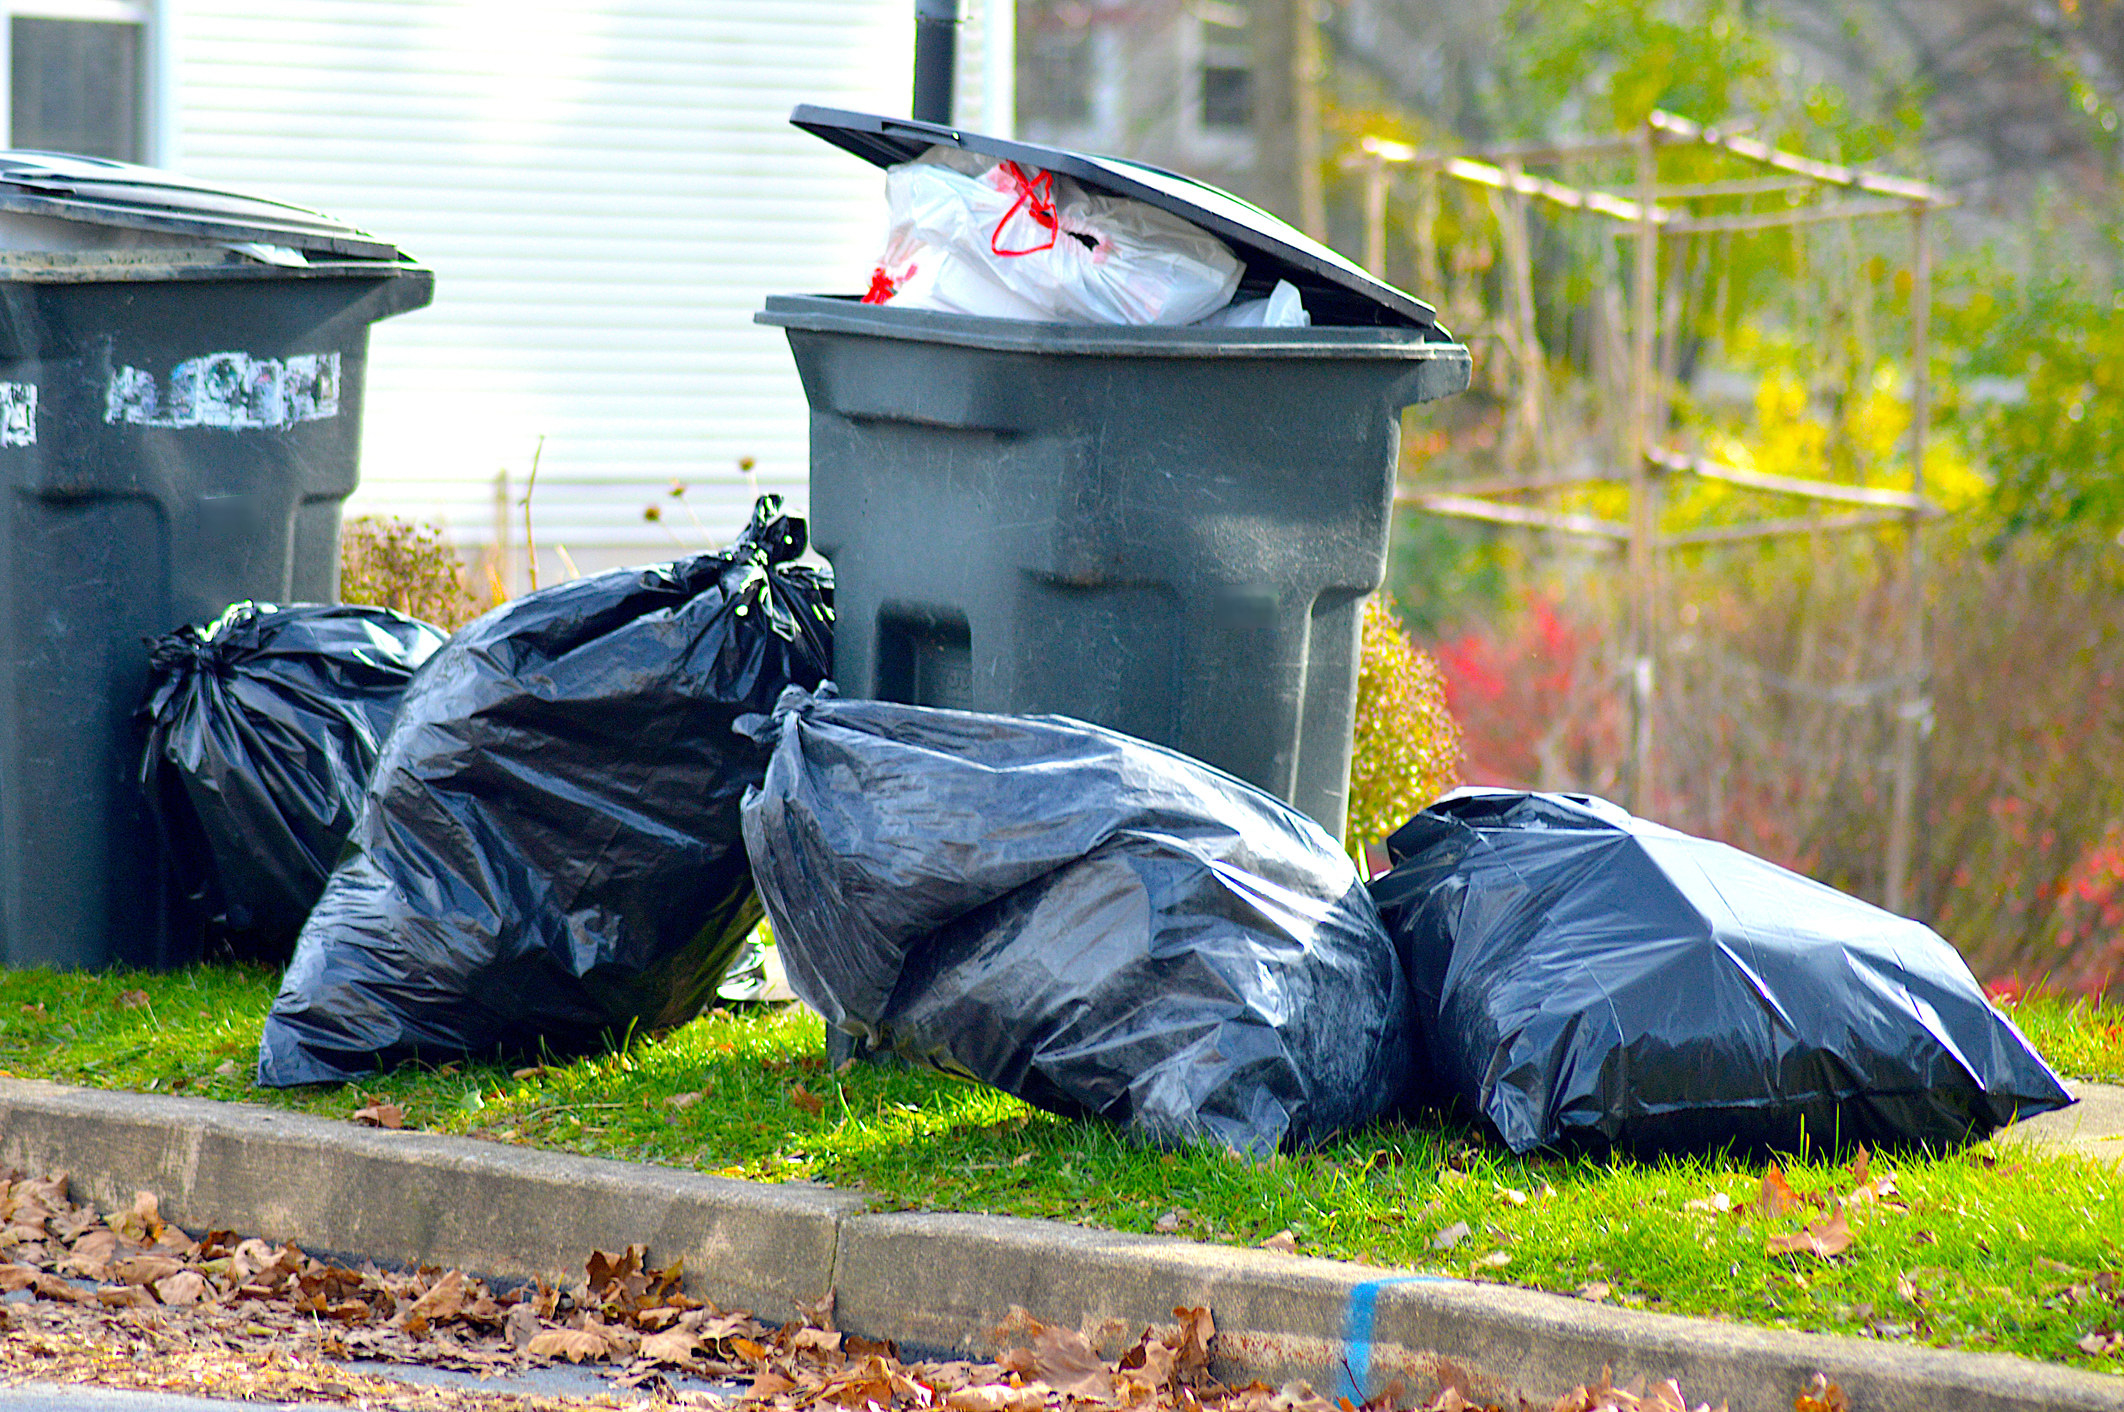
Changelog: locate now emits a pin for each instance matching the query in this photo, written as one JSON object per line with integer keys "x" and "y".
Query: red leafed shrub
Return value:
{"x": 1779, "y": 688}
{"x": 2090, "y": 921}
{"x": 1535, "y": 697}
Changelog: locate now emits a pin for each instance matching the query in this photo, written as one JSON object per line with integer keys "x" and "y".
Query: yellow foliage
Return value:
{"x": 1407, "y": 747}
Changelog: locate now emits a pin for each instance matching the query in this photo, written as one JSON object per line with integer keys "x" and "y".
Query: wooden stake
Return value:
{"x": 1916, "y": 706}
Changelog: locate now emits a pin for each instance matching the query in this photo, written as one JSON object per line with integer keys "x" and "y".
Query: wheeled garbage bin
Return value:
{"x": 1167, "y": 531}
{"x": 181, "y": 376}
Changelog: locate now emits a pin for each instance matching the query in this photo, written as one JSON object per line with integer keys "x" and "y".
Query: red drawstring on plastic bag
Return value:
{"x": 1037, "y": 196}
{"x": 883, "y": 286}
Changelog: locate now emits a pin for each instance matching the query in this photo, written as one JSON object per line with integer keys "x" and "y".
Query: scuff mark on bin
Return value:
{"x": 18, "y": 414}
{"x": 234, "y": 391}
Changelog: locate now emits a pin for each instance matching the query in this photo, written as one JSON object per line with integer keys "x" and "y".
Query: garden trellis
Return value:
{"x": 1668, "y": 227}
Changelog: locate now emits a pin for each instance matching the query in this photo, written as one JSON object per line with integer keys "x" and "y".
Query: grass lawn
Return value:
{"x": 1991, "y": 1248}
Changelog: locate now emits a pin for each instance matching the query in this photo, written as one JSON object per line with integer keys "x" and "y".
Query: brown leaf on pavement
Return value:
{"x": 1300, "y": 1396}
{"x": 521, "y": 1326}
{"x": 1064, "y": 1360}
{"x": 145, "y": 1269}
{"x": 768, "y": 1386}
{"x": 49, "y": 1286}
{"x": 1823, "y": 1396}
{"x": 575, "y": 1345}
{"x": 1148, "y": 1366}
{"x": 679, "y": 1346}
{"x": 184, "y": 1287}
{"x": 91, "y": 1256}
{"x": 445, "y": 1299}
{"x": 1191, "y": 1355}
{"x": 995, "y": 1397}
{"x": 818, "y": 1311}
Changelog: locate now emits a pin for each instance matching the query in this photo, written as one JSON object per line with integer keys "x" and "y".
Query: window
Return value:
{"x": 1056, "y": 69}
{"x": 77, "y": 77}
{"x": 1227, "y": 73}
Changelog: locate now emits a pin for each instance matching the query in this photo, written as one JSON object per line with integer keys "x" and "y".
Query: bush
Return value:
{"x": 1407, "y": 748}
{"x": 392, "y": 563}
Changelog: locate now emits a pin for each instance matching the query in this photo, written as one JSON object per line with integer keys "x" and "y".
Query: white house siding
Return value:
{"x": 606, "y": 190}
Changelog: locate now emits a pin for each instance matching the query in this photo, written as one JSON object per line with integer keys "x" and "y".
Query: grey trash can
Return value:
{"x": 1167, "y": 531}
{"x": 181, "y": 375}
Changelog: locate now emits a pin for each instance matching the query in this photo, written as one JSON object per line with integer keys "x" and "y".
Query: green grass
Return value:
{"x": 1997, "y": 1250}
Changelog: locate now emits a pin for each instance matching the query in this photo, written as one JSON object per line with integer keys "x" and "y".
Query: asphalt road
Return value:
{"x": 549, "y": 1382}
{"x": 51, "y": 1397}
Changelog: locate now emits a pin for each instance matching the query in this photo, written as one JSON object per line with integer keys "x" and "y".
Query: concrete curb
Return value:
{"x": 940, "y": 1282}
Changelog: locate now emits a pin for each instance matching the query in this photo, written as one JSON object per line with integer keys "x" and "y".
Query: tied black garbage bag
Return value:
{"x": 550, "y": 854}
{"x": 1096, "y": 924}
{"x": 263, "y": 727}
{"x": 1584, "y": 977}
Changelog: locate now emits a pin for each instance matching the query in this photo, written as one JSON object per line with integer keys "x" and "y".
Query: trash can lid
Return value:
{"x": 1335, "y": 290}
{"x": 94, "y": 191}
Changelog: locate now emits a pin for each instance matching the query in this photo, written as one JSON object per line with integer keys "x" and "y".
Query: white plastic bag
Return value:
{"x": 971, "y": 235}
{"x": 1282, "y": 309}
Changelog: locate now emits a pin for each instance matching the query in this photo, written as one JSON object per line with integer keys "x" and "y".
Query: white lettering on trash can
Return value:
{"x": 18, "y": 414}
{"x": 234, "y": 391}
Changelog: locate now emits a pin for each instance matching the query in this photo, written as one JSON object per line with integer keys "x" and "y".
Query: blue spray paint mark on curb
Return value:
{"x": 1357, "y": 1330}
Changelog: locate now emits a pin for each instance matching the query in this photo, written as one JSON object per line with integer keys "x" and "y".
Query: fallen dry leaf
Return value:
{"x": 575, "y": 1345}
{"x": 520, "y": 1326}
{"x": 1063, "y": 1359}
{"x": 1595, "y": 1291}
{"x": 184, "y": 1287}
{"x": 381, "y": 1115}
{"x": 1283, "y": 1243}
{"x": 1777, "y": 1198}
{"x": 132, "y": 999}
{"x": 995, "y": 1397}
{"x": 444, "y": 1300}
{"x": 805, "y": 1099}
{"x": 1167, "y": 1224}
{"x": 1191, "y": 1355}
{"x": 276, "y": 1317}
{"x": 672, "y": 1346}
{"x": 1451, "y": 1236}
{"x": 1827, "y": 1237}
{"x": 1823, "y": 1396}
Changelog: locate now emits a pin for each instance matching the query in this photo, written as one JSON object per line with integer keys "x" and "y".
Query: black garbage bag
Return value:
{"x": 262, "y": 728}
{"x": 1582, "y": 977}
{"x": 550, "y": 855}
{"x": 1096, "y": 924}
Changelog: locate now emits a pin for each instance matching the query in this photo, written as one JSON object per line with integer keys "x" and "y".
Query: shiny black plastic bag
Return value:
{"x": 1096, "y": 924}
{"x": 262, "y": 728}
{"x": 550, "y": 855}
{"x": 1582, "y": 977}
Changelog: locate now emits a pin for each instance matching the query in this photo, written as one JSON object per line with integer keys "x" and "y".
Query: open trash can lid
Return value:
{"x": 1335, "y": 290}
{"x": 93, "y": 191}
